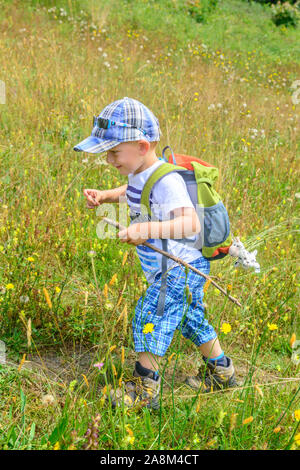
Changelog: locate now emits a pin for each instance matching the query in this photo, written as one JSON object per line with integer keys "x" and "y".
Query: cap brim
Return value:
{"x": 95, "y": 145}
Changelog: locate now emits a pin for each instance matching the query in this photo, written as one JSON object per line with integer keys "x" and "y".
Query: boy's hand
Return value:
{"x": 135, "y": 234}
{"x": 94, "y": 197}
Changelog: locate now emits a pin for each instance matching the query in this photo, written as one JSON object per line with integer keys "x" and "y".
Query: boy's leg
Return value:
{"x": 149, "y": 360}
{"x": 211, "y": 349}
{"x": 217, "y": 373}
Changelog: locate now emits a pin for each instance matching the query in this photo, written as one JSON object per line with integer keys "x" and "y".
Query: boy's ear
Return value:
{"x": 144, "y": 146}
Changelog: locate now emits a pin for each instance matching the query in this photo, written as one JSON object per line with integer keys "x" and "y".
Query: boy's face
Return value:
{"x": 127, "y": 157}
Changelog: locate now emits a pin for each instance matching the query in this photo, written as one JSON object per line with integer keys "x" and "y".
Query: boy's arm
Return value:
{"x": 113, "y": 195}
{"x": 184, "y": 224}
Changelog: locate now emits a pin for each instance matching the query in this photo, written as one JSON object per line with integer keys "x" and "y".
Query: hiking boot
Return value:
{"x": 212, "y": 377}
{"x": 140, "y": 391}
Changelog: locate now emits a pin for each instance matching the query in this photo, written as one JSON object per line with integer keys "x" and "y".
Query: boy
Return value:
{"x": 129, "y": 132}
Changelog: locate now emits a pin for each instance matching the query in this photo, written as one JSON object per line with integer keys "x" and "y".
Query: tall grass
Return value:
{"x": 57, "y": 75}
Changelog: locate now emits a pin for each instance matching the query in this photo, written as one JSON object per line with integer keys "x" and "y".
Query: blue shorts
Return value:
{"x": 178, "y": 315}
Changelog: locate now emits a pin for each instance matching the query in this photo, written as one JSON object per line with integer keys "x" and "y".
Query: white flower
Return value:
{"x": 104, "y": 54}
{"x": 100, "y": 49}
{"x": 48, "y": 400}
{"x": 212, "y": 106}
{"x": 107, "y": 64}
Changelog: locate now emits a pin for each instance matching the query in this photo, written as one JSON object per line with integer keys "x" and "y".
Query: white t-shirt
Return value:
{"x": 167, "y": 194}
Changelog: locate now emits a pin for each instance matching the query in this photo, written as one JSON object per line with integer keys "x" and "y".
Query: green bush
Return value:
{"x": 273, "y": 2}
{"x": 200, "y": 9}
{"x": 286, "y": 14}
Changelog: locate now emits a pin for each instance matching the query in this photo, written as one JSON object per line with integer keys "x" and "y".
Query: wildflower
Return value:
{"x": 292, "y": 340}
{"x": 277, "y": 429}
{"x": 248, "y": 420}
{"x": 112, "y": 281}
{"x": 86, "y": 380}
{"x": 24, "y": 299}
{"x": 297, "y": 415}
{"x": 124, "y": 258}
{"x": 22, "y": 362}
{"x": 148, "y": 328}
{"x": 48, "y": 300}
{"x": 57, "y": 289}
{"x": 297, "y": 439}
{"x": 229, "y": 287}
{"x": 72, "y": 385}
{"x": 206, "y": 285}
{"x": 105, "y": 291}
{"x": 91, "y": 434}
{"x": 28, "y": 332}
{"x": 9, "y": 286}
{"x": 225, "y": 328}
{"x": 259, "y": 390}
{"x": 212, "y": 442}
{"x": 56, "y": 446}
{"x": 272, "y": 326}
{"x": 91, "y": 253}
{"x": 30, "y": 258}
{"x": 48, "y": 400}
{"x": 170, "y": 358}
{"x": 125, "y": 320}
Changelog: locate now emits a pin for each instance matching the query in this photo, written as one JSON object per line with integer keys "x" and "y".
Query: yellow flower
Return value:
{"x": 225, "y": 328}
{"x": 9, "y": 286}
{"x": 30, "y": 258}
{"x": 297, "y": 439}
{"x": 292, "y": 340}
{"x": 277, "y": 430}
{"x": 206, "y": 285}
{"x": 272, "y": 326}
{"x": 297, "y": 415}
{"x": 148, "y": 328}
{"x": 105, "y": 291}
{"x": 248, "y": 420}
{"x": 124, "y": 258}
{"x": 112, "y": 281}
{"x": 57, "y": 289}
{"x": 56, "y": 446}
{"x": 47, "y": 297}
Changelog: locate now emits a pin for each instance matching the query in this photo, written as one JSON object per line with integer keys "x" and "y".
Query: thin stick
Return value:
{"x": 178, "y": 260}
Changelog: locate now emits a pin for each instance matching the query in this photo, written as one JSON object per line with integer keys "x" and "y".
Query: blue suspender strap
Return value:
{"x": 163, "y": 287}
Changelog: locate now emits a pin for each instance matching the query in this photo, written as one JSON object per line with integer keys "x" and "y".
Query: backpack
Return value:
{"x": 199, "y": 176}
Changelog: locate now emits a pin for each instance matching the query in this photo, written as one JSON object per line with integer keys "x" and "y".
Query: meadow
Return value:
{"x": 224, "y": 91}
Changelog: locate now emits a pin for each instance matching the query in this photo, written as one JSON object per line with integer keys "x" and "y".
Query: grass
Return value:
{"x": 54, "y": 306}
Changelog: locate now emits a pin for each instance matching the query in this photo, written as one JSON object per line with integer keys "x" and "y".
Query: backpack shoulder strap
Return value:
{"x": 162, "y": 170}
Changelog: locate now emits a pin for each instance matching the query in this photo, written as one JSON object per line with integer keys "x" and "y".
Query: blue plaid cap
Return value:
{"x": 128, "y": 111}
